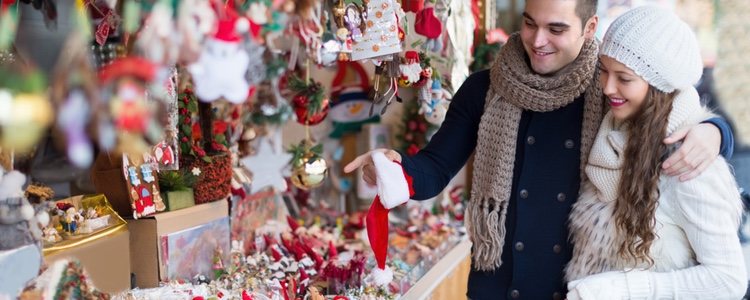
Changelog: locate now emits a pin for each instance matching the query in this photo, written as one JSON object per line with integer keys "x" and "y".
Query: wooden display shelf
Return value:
{"x": 447, "y": 279}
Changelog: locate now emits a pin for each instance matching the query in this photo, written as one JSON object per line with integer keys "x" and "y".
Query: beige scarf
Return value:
{"x": 514, "y": 88}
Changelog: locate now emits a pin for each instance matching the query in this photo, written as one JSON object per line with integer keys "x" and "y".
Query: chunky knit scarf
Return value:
{"x": 514, "y": 88}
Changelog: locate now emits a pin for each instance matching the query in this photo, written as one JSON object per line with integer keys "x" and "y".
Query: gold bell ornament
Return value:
{"x": 24, "y": 117}
{"x": 309, "y": 168}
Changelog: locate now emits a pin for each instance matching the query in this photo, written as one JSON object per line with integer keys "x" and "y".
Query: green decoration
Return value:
{"x": 8, "y": 26}
{"x": 312, "y": 90}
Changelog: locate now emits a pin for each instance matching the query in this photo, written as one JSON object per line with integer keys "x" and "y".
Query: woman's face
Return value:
{"x": 625, "y": 90}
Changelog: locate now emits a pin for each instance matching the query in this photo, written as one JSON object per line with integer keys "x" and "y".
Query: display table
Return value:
{"x": 447, "y": 279}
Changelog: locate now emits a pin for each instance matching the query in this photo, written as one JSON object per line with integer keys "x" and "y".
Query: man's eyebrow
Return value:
{"x": 561, "y": 25}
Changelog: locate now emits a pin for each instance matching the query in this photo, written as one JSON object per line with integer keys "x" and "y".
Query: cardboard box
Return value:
{"x": 106, "y": 258}
{"x": 145, "y": 235}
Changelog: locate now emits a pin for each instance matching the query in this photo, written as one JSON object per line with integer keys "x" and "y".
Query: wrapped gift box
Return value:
{"x": 104, "y": 255}
{"x": 103, "y": 252}
{"x": 147, "y": 233}
{"x": 179, "y": 199}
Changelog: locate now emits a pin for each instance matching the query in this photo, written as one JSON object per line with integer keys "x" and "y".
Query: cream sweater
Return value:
{"x": 697, "y": 252}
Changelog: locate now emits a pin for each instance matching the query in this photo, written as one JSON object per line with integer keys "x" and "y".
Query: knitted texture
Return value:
{"x": 592, "y": 229}
{"x": 657, "y": 46}
{"x": 514, "y": 88}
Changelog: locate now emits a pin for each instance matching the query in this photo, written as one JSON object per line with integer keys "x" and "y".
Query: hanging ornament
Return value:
{"x": 195, "y": 21}
{"x": 222, "y": 66}
{"x": 269, "y": 107}
{"x": 8, "y": 23}
{"x": 428, "y": 25}
{"x": 310, "y": 102}
{"x": 436, "y": 107}
{"x": 350, "y": 22}
{"x": 131, "y": 114}
{"x": 383, "y": 35}
{"x": 74, "y": 90}
{"x": 157, "y": 39}
{"x": 309, "y": 169}
{"x": 25, "y": 112}
{"x": 411, "y": 71}
{"x": 412, "y": 5}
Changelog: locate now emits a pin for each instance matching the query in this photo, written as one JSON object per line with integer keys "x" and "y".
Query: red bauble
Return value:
{"x": 301, "y": 104}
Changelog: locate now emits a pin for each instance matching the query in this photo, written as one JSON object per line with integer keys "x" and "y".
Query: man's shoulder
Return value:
{"x": 479, "y": 78}
{"x": 477, "y": 82}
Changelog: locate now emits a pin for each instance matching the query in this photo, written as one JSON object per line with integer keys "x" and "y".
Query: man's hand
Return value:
{"x": 700, "y": 147}
{"x": 364, "y": 161}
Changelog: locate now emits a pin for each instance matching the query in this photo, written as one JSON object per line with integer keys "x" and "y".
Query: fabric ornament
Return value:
{"x": 258, "y": 13}
{"x": 436, "y": 107}
{"x": 195, "y": 21}
{"x": 16, "y": 213}
{"x": 132, "y": 114}
{"x": 414, "y": 6}
{"x": 73, "y": 117}
{"x": 428, "y": 25}
{"x": 394, "y": 189}
{"x": 350, "y": 102}
{"x": 222, "y": 66}
{"x": 411, "y": 71}
{"x": 157, "y": 38}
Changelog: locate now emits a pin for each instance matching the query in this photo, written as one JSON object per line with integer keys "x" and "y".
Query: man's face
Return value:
{"x": 553, "y": 34}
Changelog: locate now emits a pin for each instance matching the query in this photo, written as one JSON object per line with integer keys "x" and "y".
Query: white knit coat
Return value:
{"x": 696, "y": 254}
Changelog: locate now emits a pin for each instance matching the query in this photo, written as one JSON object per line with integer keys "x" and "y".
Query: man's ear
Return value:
{"x": 590, "y": 29}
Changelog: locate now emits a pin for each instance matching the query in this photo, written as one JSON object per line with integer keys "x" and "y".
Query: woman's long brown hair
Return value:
{"x": 638, "y": 192}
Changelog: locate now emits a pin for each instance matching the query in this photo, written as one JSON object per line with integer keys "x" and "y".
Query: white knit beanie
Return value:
{"x": 657, "y": 46}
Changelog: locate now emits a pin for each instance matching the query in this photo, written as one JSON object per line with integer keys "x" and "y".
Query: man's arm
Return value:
{"x": 702, "y": 144}
{"x": 450, "y": 147}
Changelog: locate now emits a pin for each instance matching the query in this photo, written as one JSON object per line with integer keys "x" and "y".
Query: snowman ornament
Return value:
{"x": 220, "y": 70}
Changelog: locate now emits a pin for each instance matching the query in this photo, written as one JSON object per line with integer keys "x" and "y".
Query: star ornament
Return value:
{"x": 267, "y": 166}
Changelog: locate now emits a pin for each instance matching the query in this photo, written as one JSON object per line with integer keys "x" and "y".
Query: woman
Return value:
{"x": 636, "y": 232}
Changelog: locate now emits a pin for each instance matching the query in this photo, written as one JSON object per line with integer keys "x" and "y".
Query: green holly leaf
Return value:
{"x": 192, "y": 106}
{"x": 318, "y": 149}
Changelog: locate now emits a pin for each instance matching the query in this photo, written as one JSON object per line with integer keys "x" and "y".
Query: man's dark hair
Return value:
{"x": 585, "y": 9}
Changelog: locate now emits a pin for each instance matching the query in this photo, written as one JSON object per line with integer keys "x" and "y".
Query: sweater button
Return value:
{"x": 557, "y": 296}
{"x": 530, "y": 140}
{"x": 515, "y": 294}
{"x": 569, "y": 144}
{"x": 557, "y": 249}
{"x": 519, "y": 246}
{"x": 561, "y": 197}
{"x": 524, "y": 194}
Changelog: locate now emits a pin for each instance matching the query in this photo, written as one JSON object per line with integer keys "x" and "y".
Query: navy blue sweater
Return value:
{"x": 545, "y": 176}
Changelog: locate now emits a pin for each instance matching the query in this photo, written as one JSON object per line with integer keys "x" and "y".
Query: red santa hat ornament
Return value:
{"x": 394, "y": 189}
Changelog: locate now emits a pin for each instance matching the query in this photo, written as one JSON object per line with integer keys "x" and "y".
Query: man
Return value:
{"x": 531, "y": 119}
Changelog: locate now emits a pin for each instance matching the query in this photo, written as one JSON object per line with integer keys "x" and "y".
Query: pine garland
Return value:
{"x": 313, "y": 90}
{"x": 179, "y": 180}
{"x": 301, "y": 150}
